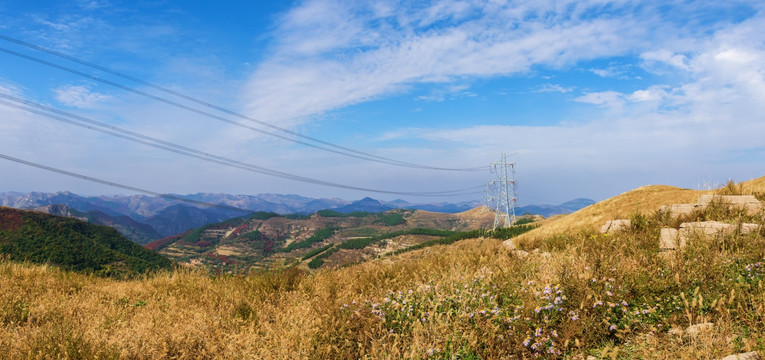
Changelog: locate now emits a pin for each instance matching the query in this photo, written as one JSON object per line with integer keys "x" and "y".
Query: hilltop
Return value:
{"x": 646, "y": 199}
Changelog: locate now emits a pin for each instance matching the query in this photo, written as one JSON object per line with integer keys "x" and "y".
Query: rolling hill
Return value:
{"x": 571, "y": 293}
{"x": 263, "y": 240}
{"x": 135, "y": 231}
{"x": 73, "y": 244}
{"x": 143, "y": 219}
{"x": 646, "y": 199}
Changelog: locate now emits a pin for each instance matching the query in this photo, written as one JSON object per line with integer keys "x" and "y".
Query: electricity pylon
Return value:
{"x": 501, "y": 193}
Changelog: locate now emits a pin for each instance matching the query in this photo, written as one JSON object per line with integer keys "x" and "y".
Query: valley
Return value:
{"x": 324, "y": 239}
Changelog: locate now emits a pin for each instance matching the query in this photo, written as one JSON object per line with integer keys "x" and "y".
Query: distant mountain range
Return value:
{"x": 550, "y": 210}
{"x": 143, "y": 218}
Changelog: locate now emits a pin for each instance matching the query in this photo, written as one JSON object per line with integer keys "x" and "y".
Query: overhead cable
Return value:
{"x": 337, "y": 149}
{"x": 121, "y": 186}
{"x": 194, "y": 153}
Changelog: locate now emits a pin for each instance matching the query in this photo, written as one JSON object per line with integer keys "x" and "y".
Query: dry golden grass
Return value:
{"x": 645, "y": 200}
{"x": 473, "y": 299}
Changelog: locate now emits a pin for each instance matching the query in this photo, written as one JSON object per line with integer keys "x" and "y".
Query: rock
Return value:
{"x": 748, "y": 202}
{"x": 743, "y": 356}
{"x": 509, "y": 244}
{"x": 749, "y": 228}
{"x": 708, "y": 228}
{"x": 521, "y": 253}
{"x": 612, "y": 226}
{"x": 669, "y": 239}
{"x": 681, "y": 209}
{"x": 695, "y": 330}
{"x": 676, "y": 331}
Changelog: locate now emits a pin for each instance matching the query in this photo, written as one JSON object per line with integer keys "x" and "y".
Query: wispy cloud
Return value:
{"x": 330, "y": 54}
{"x": 546, "y": 88}
{"x": 673, "y": 132}
{"x": 602, "y": 98}
{"x": 78, "y": 96}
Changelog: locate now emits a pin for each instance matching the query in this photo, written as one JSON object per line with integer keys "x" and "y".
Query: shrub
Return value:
{"x": 731, "y": 188}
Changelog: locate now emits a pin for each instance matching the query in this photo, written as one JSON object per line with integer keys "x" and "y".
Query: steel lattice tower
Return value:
{"x": 501, "y": 193}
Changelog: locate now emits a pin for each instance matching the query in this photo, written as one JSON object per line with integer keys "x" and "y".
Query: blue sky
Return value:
{"x": 594, "y": 97}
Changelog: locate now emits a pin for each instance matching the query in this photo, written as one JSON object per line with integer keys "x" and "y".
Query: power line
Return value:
{"x": 183, "y": 150}
{"x": 117, "y": 185}
{"x": 339, "y": 149}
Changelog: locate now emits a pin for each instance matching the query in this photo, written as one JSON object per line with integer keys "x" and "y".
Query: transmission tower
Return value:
{"x": 501, "y": 193}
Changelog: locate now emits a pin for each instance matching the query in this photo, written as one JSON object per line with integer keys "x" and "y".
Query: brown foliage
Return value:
{"x": 10, "y": 220}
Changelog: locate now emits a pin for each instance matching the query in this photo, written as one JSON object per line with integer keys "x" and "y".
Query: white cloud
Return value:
{"x": 326, "y": 55}
{"x": 602, "y": 98}
{"x": 654, "y": 93}
{"x": 678, "y": 133}
{"x": 330, "y": 55}
{"x": 9, "y": 89}
{"x": 78, "y": 96}
{"x": 553, "y": 88}
{"x": 667, "y": 57}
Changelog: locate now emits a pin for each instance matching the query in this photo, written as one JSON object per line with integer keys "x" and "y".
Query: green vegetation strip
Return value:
{"x": 501, "y": 233}
{"x": 319, "y": 235}
{"x": 510, "y": 232}
{"x": 364, "y": 242}
{"x": 195, "y": 235}
{"x": 315, "y": 252}
{"x": 335, "y": 214}
{"x": 391, "y": 219}
{"x": 318, "y": 261}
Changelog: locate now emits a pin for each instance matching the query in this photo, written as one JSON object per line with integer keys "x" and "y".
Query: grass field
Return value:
{"x": 577, "y": 293}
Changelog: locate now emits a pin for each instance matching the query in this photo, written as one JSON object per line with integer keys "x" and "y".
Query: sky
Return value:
{"x": 590, "y": 98}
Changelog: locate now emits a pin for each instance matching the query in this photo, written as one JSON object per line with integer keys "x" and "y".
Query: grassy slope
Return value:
{"x": 645, "y": 199}
{"x": 471, "y": 299}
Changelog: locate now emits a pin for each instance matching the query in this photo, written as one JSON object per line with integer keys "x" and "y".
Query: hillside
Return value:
{"x": 571, "y": 295}
{"x": 266, "y": 239}
{"x": 645, "y": 199}
{"x": 72, "y": 244}
{"x": 136, "y": 232}
{"x": 144, "y": 219}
